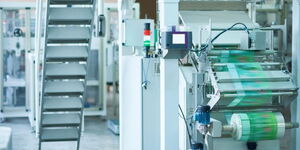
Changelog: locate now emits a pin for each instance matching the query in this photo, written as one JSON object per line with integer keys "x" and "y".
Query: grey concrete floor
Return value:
{"x": 95, "y": 137}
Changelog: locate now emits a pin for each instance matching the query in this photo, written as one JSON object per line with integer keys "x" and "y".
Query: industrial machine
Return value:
{"x": 240, "y": 87}
{"x": 223, "y": 81}
{"x": 245, "y": 92}
{"x": 139, "y": 87}
{"x": 16, "y": 69}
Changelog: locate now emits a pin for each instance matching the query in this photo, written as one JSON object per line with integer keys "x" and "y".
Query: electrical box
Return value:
{"x": 134, "y": 32}
{"x": 260, "y": 40}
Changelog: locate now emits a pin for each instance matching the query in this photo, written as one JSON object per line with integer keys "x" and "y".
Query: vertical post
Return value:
{"x": 1, "y": 61}
{"x": 169, "y": 100}
{"x": 27, "y": 49}
{"x": 102, "y": 65}
{"x": 169, "y": 82}
{"x": 37, "y": 48}
{"x": 252, "y": 11}
{"x": 125, "y": 11}
{"x": 120, "y": 16}
{"x": 114, "y": 66}
{"x": 168, "y": 13}
{"x": 295, "y": 110}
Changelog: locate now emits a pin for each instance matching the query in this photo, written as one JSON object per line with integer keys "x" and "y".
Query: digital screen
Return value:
{"x": 178, "y": 39}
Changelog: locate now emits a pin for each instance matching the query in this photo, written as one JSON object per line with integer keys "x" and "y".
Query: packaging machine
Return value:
{"x": 16, "y": 67}
{"x": 246, "y": 93}
{"x": 232, "y": 90}
{"x": 241, "y": 85}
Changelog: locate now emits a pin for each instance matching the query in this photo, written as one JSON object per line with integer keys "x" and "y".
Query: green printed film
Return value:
{"x": 236, "y": 56}
{"x": 263, "y": 126}
{"x": 242, "y": 63}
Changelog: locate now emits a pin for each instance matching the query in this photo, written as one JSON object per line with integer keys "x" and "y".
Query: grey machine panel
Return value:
{"x": 139, "y": 102}
{"x": 151, "y": 104}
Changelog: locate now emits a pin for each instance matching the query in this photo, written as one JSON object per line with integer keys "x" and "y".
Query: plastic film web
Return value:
{"x": 242, "y": 63}
{"x": 259, "y": 126}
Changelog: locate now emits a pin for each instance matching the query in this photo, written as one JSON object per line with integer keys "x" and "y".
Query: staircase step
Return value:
{"x": 62, "y": 104}
{"x": 61, "y": 120}
{"x": 65, "y": 71}
{"x": 68, "y": 35}
{"x": 68, "y": 39}
{"x": 60, "y": 134}
{"x": 58, "y": 16}
{"x": 70, "y": 2}
{"x": 66, "y": 53}
{"x": 63, "y": 88}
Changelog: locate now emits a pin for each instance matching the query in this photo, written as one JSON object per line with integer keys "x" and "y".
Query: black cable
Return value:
{"x": 181, "y": 63}
{"x": 217, "y": 36}
{"x": 230, "y": 28}
{"x": 186, "y": 125}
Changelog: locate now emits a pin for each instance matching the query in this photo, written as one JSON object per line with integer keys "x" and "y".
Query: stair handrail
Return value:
{"x": 41, "y": 12}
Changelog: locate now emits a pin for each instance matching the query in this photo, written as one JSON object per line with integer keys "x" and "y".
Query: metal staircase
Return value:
{"x": 68, "y": 40}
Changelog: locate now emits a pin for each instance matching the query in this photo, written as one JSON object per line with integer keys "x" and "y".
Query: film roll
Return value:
{"x": 258, "y": 126}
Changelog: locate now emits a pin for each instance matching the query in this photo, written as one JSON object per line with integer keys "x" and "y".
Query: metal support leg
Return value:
{"x": 1, "y": 61}
{"x": 40, "y": 145}
{"x": 102, "y": 65}
{"x": 37, "y": 48}
{"x": 78, "y": 144}
{"x": 82, "y": 123}
{"x": 27, "y": 49}
{"x": 114, "y": 66}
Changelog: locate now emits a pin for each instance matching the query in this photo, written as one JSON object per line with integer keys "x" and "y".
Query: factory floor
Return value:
{"x": 95, "y": 137}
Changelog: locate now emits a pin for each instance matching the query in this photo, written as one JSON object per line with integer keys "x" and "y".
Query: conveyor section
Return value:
{"x": 220, "y": 20}
{"x": 69, "y": 32}
{"x": 240, "y": 79}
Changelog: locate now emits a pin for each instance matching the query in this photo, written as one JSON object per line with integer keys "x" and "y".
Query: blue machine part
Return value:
{"x": 202, "y": 114}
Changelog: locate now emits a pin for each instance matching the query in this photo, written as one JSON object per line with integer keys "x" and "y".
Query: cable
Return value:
{"x": 146, "y": 82}
{"x": 181, "y": 63}
{"x": 206, "y": 141}
{"x": 186, "y": 125}
{"x": 217, "y": 36}
{"x": 230, "y": 28}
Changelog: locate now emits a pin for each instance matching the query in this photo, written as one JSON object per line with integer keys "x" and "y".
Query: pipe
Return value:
{"x": 227, "y": 128}
{"x": 288, "y": 125}
{"x": 291, "y": 125}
